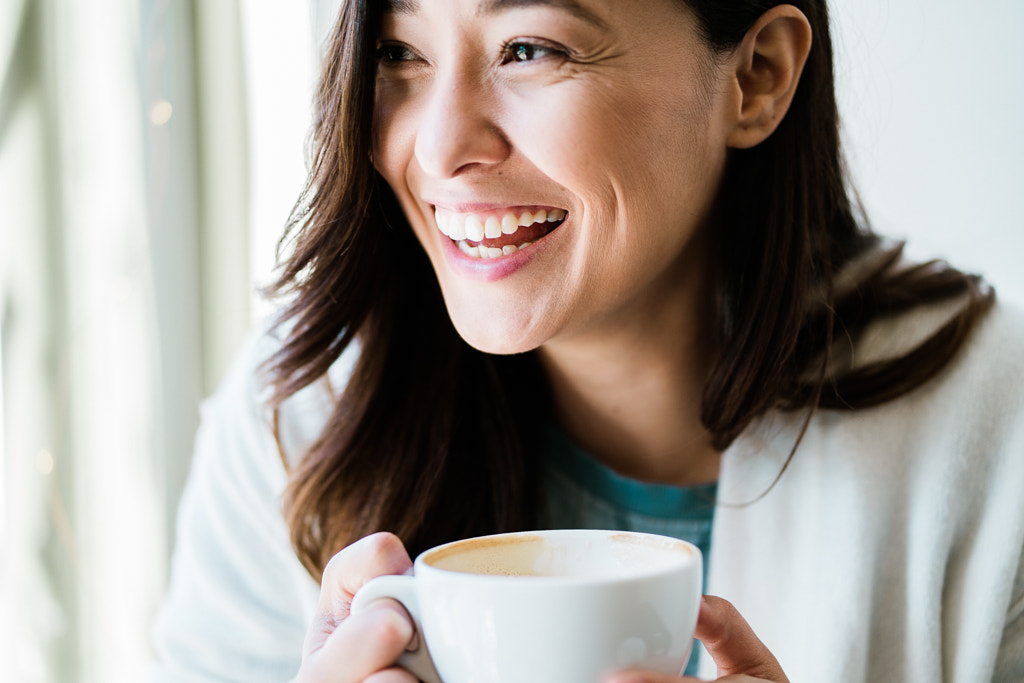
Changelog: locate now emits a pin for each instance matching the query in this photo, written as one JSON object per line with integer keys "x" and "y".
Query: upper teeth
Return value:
{"x": 476, "y": 229}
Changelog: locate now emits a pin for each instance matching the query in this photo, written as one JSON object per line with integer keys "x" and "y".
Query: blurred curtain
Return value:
{"x": 124, "y": 292}
{"x": 33, "y": 424}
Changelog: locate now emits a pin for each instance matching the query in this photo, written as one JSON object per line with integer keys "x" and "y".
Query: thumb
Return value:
{"x": 731, "y": 642}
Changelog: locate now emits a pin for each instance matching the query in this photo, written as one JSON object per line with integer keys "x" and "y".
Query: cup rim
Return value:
{"x": 688, "y": 555}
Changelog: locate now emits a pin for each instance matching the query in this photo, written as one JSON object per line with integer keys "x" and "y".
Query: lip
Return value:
{"x": 456, "y": 205}
{"x": 487, "y": 269}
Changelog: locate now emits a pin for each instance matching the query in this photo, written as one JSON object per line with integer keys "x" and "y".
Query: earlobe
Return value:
{"x": 768, "y": 64}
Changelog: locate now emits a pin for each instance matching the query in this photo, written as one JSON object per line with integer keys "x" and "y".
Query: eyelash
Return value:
{"x": 385, "y": 53}
{"x": 511, "y": 52}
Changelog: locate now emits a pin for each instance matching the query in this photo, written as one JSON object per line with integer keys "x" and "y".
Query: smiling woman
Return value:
{"x": 596, "y": 264}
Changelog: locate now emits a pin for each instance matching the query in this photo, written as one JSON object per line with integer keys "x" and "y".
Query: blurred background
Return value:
{"x": 150, "y": 152}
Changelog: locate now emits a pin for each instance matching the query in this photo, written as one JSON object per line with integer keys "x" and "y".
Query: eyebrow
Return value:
{"x": 489, "y": 7}
{"x": 401, "y": 6}
{"x": 571, "y": 6}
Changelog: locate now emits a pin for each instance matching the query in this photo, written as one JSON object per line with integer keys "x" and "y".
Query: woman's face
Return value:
{"x": 555, "y": 158}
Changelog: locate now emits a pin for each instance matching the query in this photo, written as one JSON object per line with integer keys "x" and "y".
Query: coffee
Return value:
{"x": 566, "y": 556}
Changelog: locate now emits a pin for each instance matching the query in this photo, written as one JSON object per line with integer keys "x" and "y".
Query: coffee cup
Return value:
{"x": 556, "y": 606}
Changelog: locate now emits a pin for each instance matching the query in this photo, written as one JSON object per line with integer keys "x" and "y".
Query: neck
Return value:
{"x": 630, "y": 392}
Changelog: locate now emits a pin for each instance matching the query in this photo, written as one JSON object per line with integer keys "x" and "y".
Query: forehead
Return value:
{"x": 579, "y": 8}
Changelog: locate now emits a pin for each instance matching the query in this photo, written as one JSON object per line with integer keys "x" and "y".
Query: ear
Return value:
{"x": 767, "y": 67}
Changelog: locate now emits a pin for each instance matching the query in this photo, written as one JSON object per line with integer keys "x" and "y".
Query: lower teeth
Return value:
{"x": 482, "y": 252}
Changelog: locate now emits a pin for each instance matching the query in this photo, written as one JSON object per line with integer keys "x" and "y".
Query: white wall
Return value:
{"x": 932, "y": 95}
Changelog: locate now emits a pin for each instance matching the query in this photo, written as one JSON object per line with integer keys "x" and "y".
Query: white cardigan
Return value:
{"x": 889, "y": 550}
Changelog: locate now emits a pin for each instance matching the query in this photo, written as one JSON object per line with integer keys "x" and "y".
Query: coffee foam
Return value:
{"x": 563, "y": 555}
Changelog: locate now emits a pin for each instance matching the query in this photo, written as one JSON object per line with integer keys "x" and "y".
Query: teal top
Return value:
{"x": 583, "y": 493}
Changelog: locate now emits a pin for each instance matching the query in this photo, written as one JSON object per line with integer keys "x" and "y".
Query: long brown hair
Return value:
{"x": 434, "y": 440}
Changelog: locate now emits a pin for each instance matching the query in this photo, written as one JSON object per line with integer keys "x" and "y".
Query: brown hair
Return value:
{"x": 434, "y": 440}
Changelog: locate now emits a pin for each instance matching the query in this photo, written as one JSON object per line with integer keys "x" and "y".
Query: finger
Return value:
{"x": 365, "y": 644}
{"x": 640, "y": 676}
{"x": 644, "y": 676}
{"x": 375, "y": 555}
{"x": 731, "y": 642}
{"x": 392, "y": 675}
{"x": 347, "y": 571}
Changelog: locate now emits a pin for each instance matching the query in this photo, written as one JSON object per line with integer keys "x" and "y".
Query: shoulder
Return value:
{"x": 995, "y": 351}
{"x": 243, "y": 401}
{"x": 966, "y": 423}
{"x": 978, "y": 387}
{"x": 921, "y": 491}
{"x": 980, "y": 390}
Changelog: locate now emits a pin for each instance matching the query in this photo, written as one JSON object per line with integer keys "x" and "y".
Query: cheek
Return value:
{"x": 570, "y": 126}
{"x": 394, "y": 137}
{"x": 592, "y": 135}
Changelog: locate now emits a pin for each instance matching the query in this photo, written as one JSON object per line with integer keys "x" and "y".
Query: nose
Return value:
{"x": 457, "y": 130}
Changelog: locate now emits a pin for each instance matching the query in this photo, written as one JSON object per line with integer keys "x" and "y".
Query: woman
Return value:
{"x": 582, "y": 262}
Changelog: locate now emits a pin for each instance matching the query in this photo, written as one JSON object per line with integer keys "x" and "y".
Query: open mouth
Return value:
{"x": 497, "y": 234}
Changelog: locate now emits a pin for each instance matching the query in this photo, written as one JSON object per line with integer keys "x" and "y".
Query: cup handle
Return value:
{"x": 402, "y": 589}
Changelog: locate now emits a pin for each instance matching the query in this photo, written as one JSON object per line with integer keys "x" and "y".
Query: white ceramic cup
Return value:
{"x": 560, "y": 606}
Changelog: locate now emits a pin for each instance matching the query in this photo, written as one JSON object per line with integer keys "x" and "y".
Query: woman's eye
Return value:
{"x": 394, "y": 53}
{"x": 527, "y": 52}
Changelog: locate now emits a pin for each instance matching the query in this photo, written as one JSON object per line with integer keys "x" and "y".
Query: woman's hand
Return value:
{"x": 739, "y": 654}
{"x": 340, "y": 648}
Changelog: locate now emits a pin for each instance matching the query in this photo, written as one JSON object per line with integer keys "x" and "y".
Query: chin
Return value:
{"x": 498, "y": 346}
{"x": 497, "y": 340}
